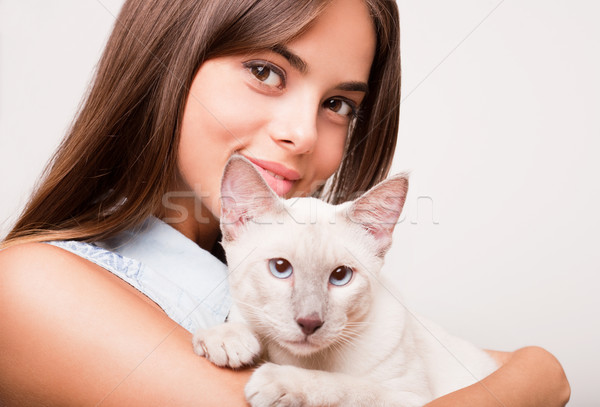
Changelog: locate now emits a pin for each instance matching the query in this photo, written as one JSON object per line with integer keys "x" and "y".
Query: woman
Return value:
{"x": 309, "y": 91}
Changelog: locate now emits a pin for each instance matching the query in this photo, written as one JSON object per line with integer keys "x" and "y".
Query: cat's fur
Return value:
{"x": 369, "y": 351}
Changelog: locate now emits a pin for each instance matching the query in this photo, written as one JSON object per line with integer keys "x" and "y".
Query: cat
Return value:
{"x": 310, "y": 301}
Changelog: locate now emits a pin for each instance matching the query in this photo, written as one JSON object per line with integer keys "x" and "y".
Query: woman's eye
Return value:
{"x": 341, "y": 276}
{"x": 266, "y": 74}
{"x": 280, "y": 268}
{"x": 341, "y": 107}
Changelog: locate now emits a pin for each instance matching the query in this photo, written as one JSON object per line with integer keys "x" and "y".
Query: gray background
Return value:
{"x": 499, "y": 126}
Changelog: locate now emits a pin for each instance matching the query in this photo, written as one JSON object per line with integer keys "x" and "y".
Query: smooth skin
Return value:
{"x": 73, "y": 334}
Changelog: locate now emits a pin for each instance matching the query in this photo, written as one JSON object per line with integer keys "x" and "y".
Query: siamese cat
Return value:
{"x": 310, "y": 302}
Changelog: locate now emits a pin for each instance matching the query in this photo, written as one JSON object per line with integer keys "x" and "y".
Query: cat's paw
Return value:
{"x": 227, "y": 345}
{"x": 275, "y": 385}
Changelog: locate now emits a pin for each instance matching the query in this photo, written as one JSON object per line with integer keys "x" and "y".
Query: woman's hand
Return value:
{"x": 527, "y": 377}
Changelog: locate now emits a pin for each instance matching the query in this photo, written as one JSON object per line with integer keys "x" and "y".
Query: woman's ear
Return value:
{"x": 244, "y": 196}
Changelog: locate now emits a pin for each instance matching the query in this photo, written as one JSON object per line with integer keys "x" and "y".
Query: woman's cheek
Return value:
{"x": 332, "y": 152}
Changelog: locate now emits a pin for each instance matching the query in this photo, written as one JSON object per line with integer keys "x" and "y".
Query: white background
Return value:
{"x": 499, "y": 126}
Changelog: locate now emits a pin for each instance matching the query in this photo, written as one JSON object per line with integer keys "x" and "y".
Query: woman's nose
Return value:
{"x": 295, "y": 129}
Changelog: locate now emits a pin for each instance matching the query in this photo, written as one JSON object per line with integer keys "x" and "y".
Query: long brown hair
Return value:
{"x": 120, "y": 154}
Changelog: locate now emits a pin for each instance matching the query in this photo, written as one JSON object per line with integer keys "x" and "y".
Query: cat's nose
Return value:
{"x": 310, "y": 324}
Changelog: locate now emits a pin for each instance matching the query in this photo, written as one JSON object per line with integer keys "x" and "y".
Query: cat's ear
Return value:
{"x": 379, "y": 209}
{"x": 244, "y": 196}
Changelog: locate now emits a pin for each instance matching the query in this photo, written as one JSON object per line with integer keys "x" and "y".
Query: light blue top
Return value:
{"x": 186, "y": 281}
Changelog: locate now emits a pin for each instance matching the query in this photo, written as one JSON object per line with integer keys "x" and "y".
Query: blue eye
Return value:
{"x": 341, "y": 276}
{"x": 280, "y": 268}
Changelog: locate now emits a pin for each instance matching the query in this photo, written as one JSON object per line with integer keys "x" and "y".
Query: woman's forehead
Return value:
{"x": 342, "y": 38}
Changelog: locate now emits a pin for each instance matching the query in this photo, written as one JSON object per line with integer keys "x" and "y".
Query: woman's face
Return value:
{"x": 287, "y": 109}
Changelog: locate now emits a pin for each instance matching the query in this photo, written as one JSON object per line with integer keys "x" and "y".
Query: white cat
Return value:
{"x": 309, "y": 298}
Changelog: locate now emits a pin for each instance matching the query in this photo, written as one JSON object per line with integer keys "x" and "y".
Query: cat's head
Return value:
{"x": 301, "y": 270}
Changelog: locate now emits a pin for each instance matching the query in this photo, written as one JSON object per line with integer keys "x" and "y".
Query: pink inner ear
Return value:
{"x": 244, "y": 195}
{"x": 378, "y": 210}
{"x": 230, "y": 211}
{"x": 378, "y": 217}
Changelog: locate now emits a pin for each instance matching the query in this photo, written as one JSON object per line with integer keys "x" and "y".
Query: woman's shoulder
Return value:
{"x": 42, "y": 284}
{"x": 30, "y": 267}
{"x": 42, "y": 270}
{"x": 42, "y": 267}
{"x": 89, "y": 337}
{"x": 156, "y": 267}
{"x": 38, "y": 258}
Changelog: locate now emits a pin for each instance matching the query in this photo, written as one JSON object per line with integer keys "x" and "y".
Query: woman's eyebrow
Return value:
{"x": 353, "y": 86}
{"x": 294, "y": 60}
{"x": 299, "y": 64}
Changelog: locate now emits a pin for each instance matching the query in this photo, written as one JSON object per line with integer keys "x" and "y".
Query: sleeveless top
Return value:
{"x": 186, "y": 281}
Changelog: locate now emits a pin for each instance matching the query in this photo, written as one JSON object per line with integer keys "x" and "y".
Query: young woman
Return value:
{"x": 307, "y": 90}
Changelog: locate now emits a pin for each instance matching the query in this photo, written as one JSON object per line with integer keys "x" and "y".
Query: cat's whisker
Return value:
{"x": 251, "y": 306}
{"x": 259, "y": 312}
{"x": 351, "y": 332}
{"x": 358, "y": 324}
{"x": 348, "y": 338}
{"x": 346, "y": 342}
{"x": 343, "y": 340}
{"x": 339, "y": 349}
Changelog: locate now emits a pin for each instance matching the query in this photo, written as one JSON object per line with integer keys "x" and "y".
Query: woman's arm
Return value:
{"x": 528, "y": 377}
{"x": 72, "y": 333}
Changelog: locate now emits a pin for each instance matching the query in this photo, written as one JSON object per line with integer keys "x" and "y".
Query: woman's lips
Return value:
{"x": 280, "y": 178}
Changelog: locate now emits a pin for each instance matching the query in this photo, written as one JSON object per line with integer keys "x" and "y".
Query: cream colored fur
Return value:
{"x": 369, "y": 351}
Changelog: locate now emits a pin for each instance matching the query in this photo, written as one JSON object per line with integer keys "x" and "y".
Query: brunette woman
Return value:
{"x": 308, "y": 90}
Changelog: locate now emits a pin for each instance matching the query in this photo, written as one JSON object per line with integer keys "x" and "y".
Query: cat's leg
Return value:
{"x": 276, "y": 385}
{"x": 232, "y": 344}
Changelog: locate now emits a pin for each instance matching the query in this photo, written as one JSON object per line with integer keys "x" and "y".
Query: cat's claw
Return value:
{"x": 228, "y": 345}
